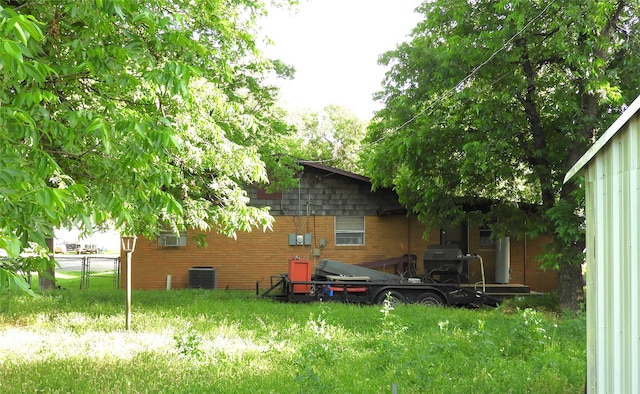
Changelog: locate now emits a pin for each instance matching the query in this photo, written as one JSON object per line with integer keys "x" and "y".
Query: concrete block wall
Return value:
{"x": 327, "y": 194}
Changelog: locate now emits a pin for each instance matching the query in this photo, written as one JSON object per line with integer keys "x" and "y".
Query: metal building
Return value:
{"x": 611, "y": 168}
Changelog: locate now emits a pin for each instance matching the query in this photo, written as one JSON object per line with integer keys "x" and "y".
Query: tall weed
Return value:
{"x": 188, "y": 342}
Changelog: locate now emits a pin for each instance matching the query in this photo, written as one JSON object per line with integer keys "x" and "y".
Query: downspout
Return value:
{"x": 314, "y": 243}
{"x": 299, "y": 198}
{"x": 409, "y": 234}
{"x": 503, "y": 260}
{"x": 524, "y": 262}
{"x": 468, "y": 236}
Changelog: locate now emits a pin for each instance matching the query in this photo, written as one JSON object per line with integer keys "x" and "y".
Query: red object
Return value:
{"x": 300, "y": 271}
{"x": 340, "y": 289}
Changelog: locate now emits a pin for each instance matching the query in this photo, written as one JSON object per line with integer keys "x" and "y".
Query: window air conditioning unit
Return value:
{"x": 171, "y": 240}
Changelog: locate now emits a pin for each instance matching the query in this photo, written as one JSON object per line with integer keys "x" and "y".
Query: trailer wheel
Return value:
{"x": 430, "y": 298}
{"x": 392, "y": 297}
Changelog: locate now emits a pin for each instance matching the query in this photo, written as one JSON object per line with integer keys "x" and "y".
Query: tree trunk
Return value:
{"x": 47, "y": 279}
{"x": 570, "y": 287}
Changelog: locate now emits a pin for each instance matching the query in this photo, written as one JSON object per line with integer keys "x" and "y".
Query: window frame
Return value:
{"x": 182, "y": 238}
{"x": 356, "y": 234}
{"x": 485, "y": 237}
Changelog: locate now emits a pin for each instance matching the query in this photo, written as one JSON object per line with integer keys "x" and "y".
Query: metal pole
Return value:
{"x": 87, "y": 271}
{"x": 128, "y": 308}
{"x": 128, "y": 246}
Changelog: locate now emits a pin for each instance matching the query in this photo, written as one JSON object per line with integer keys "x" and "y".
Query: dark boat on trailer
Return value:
{"x": 336, "y": 281}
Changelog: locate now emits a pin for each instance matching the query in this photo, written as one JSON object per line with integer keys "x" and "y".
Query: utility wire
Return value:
{"x": 459, "y": 86}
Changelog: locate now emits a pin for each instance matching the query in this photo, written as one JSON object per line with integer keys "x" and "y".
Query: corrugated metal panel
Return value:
{"x": 629, "y": 113}
{"x": 613, "y": 273}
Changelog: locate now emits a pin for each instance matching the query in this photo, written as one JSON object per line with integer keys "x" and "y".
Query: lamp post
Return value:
{"x": 128, "y": 246}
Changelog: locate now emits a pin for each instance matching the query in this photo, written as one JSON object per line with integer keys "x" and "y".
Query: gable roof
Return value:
{"x": 394, "y": 208}
{"x": 604, "y": 139}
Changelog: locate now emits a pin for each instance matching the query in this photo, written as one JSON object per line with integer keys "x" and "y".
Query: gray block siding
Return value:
{"x": 328, "y": 194}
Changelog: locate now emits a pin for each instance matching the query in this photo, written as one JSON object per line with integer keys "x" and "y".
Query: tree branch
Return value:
{"x": 78, "y": 155}
{"x": 57, "y": 78}
{"x": 537, "y": 157}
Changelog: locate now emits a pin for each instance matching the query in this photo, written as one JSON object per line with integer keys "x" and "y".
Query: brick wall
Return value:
{"x": 311, "y": 209}
{"x": 525, "y": 267}
{"x": 255, "y": 256}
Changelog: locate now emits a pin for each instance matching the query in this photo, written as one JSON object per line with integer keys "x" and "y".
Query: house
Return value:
{"x": 333, "y": 214}
{"x": 611, "y": 170}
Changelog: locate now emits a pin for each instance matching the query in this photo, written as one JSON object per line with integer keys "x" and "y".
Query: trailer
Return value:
{"x": 336, "y": 281}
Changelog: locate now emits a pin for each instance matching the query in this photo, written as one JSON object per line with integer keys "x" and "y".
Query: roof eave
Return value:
{"x": 333, "y": 170}
{"x": 604, "y": 139}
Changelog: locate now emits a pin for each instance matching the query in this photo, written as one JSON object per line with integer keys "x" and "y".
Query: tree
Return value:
{"x": 332, "y": 135}
{"x": 494, "y": 101}
{"x": 132, "y": 114}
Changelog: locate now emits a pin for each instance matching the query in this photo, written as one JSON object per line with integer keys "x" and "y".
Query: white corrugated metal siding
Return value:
{"x": 612, "y": 177}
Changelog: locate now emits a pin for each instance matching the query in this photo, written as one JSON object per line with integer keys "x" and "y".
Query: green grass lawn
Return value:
{"x": 69, "y": 280}
{"x": 203, "y": 341}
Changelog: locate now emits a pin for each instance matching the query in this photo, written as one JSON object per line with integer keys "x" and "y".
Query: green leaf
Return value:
{"x": 18, "y": 284}
{"x": 95, "y": 124}
{"x": 13, "y": 50}
{"x": 474, "y": 99}
{"x": 21, "y": 33}
{"x": 10, "y": 244}
{"x": 34, "y": 72}
{"x": 125, "y": 116}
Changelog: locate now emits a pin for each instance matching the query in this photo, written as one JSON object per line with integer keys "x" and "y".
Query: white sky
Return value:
{"x": 334, "y": 46}
{"x": 110, "y": 240}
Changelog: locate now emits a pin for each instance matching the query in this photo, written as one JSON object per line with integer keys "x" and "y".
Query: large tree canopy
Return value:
{"x": 332, "y": 135}
{"x": 141, "y": 115}
{"x": 494, "y": 101}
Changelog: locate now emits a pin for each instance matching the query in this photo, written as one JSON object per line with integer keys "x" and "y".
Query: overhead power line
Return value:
{"x": 460, "y": 85}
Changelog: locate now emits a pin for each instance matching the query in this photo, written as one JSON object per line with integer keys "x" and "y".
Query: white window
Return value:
{"x": 169, "y": 239}
{"x": 349, "y": 230}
